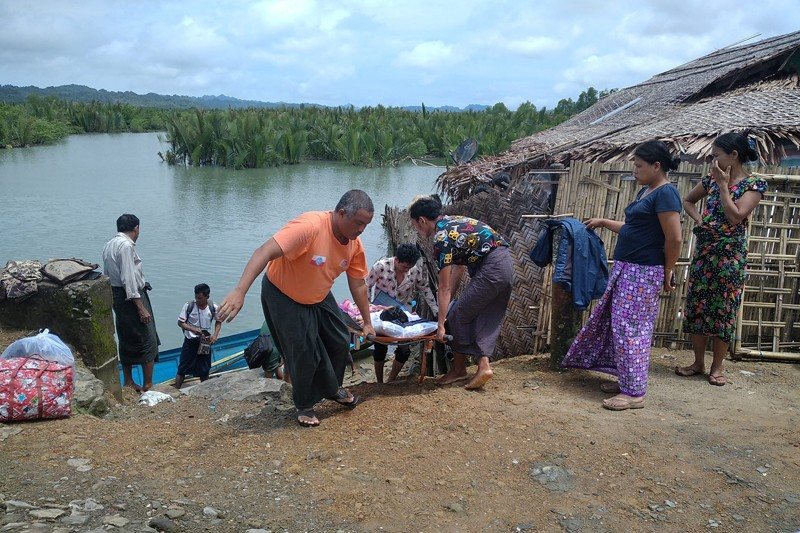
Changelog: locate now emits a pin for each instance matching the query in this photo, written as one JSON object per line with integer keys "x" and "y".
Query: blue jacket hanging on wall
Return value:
{"x": 581, "y": 265}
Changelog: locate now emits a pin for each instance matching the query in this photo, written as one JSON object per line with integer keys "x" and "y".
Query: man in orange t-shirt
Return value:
{"x": 302, "y": 261}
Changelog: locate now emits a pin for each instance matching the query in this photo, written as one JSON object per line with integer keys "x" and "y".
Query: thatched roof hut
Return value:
{"x": 755, "y": 86}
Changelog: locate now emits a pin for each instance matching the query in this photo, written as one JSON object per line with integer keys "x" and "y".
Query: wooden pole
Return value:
{"x": 773, "y": 356}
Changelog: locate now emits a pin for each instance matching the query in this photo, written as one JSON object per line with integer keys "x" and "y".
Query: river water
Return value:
{"x": 197, "y": 224}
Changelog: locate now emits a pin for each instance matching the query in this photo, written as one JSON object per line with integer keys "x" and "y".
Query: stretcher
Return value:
{"x": 425, "y": 343}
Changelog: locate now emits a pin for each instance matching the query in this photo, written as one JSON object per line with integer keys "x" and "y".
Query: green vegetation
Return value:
{"x": 46, "y": 120}
{"x": 258, "y": 137}
{"x": 370, "y": 136}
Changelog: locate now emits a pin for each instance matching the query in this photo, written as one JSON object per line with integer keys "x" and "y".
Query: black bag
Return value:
{"x": 395, "y": 315}
{"x": 259, "y": 351}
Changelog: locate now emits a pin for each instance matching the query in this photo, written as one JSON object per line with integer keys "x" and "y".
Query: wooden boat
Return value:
{"x": 228, "y": 354}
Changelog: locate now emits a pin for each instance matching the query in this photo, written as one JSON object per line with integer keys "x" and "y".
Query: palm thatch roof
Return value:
{"x": 754, "y": 87}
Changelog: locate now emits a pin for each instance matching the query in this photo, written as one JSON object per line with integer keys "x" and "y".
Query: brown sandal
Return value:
{"x": 719, "y": 380}
{"x": 622, "y": 404}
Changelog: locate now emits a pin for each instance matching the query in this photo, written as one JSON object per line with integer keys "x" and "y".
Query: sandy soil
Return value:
{"x": 533, "y": 451}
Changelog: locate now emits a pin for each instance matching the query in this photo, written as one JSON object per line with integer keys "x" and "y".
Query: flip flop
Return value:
{"x": 686, "y": 371}
{"x": 342, "y": 395}
{"x": 719, "y": 380}
{"x": 622, "y": 404}
{"x": 308, "y": 413}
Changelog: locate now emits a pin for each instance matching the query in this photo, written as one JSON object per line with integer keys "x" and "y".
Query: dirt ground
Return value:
{"x": 533, "y": 451}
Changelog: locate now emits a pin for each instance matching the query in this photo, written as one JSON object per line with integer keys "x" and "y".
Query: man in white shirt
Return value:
{"x": 195, "y": 321}
{"x": 133, "y": 314}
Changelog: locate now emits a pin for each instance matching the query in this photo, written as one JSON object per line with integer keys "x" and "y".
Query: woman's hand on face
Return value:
{"x": 722, "y": 177}
{"x": 594, "y": 223}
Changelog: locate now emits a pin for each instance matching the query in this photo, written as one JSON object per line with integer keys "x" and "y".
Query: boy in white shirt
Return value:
{"x": 195, "y": 321}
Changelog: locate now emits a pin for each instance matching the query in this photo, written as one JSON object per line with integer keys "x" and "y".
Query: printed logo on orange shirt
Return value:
{"x": 318, "y": 260}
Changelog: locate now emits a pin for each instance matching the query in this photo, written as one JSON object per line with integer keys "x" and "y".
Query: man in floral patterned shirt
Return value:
{"x": 401, "y": 278}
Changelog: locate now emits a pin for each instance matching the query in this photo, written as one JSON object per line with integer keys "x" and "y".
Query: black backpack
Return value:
{"x": 190, "y": 307}
{"x": 259, "y": 351}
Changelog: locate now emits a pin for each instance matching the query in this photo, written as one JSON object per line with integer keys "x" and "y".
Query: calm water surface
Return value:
{"x": 198, "y": 224}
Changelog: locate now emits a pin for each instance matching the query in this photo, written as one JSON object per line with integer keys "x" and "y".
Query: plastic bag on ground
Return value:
{"x": 152, "y": 397}
{"x": 46, "y": 345}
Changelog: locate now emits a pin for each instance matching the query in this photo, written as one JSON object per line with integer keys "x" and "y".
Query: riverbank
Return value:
{"x": 534, "y": 451}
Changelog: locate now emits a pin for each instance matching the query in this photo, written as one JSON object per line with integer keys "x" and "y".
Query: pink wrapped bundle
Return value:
{"x": 32, "y": 388}
{"x": 350, "y": 308}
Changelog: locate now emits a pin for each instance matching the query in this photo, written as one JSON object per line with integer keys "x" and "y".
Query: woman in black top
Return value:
{"x": 617, "y": 338}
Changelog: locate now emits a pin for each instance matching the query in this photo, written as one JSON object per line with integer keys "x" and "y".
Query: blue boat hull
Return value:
{"x": 227, "y": 355}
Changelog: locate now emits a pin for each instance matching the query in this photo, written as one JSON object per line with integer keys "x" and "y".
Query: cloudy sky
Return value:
{"x": 363, "y": 52}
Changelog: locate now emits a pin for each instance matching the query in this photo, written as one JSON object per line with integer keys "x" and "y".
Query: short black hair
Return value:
{"x": 354, "y": 201}
{"x": 657, "y": 151}
{"x": 127, "y": 222}
{"x": 202, "y": 288}
{"x": 429, "y": 207}
{"x": 407, "y": 253}
{"x": 728, "y": 142}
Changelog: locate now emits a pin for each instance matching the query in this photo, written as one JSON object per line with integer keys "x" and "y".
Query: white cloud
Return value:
{"x": 285, "y": 13}
{"x": 454, "y": 52}
{"x": 616, "y": 70}
{"x": 427, "y": 55}
{"x": 534, "y": 46}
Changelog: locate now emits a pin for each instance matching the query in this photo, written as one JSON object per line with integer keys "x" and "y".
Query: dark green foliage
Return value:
{"x": 44, "y": 120}
{"x": 258, "y": 137}
{"x": 370, "y": 136}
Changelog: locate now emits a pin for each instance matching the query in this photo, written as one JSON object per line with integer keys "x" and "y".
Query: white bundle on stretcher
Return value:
{"x": 390, "y": 329}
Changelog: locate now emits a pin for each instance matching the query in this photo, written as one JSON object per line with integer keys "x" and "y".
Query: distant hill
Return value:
{"x": 448, "y": 108}
{"x": 13, "y": 94}
{"x": 81, "y": 93}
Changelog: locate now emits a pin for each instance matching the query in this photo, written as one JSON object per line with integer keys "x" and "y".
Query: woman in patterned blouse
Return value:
{"x": 401, "y": 278}
{"x": 474, "y": 321}
{"x": 718, "y": 270}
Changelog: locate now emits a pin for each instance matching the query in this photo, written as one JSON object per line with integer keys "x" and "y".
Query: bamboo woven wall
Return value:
{"x": 770, "y": 314}
{"x": 771, "y": 304}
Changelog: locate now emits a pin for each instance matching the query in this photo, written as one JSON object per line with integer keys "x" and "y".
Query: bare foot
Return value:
{"x": 480, "y": 379}
{"x": 451, "y": 377}
{"x": 307, "y": 418}
{"x": 133, "y": 386}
